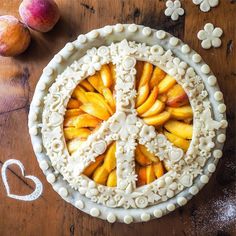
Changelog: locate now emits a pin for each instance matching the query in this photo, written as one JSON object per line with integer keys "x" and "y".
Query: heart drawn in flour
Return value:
{"x": 38, "y": 185}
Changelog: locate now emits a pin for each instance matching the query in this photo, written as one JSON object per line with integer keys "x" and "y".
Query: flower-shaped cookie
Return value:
{"x": 210, "y": 36}
{"x": 174, "y": 9}
{"x": 205, "y": 5}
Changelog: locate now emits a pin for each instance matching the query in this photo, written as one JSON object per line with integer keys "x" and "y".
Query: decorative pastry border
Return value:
{"x": 77, "y": 49}
{"x": 183, "y": 168}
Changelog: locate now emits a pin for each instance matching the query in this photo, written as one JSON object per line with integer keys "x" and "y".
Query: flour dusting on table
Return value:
{"x": 216, "y": 214}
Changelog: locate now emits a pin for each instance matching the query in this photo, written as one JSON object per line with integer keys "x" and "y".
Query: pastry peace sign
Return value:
{"x": 112, "y": 125}
{"x": 124, "y": 126}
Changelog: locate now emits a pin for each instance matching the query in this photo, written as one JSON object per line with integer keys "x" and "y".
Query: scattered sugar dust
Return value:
{"x": 216, "y": 215}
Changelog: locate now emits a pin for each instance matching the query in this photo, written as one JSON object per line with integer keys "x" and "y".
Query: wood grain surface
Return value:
{"x": 211, "y": 212}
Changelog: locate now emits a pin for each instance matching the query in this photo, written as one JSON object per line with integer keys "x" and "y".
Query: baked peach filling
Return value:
{"x": 160, "y": 102}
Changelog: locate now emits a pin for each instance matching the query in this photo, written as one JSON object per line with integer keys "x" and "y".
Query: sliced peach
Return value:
{"x": 159, "y": 169}
{"x": 188, "y": 120}
{"x": 109, "y": 98}
{"x": 111, "y": 181}
{"x": 142, "y": 176}
{"x": 86, "y": 85}
{"x": 176, "y": 96}
{"x": 177, "y": 141}
{"x": 180, "y": 113}
{"x": 158, "y": 119}
{"x": 81, "y": 121}
{"x": 86, "y": 120}
{"x": 74, "y": 144}
{"x": 142, "y": 95}
{"x": 149, "y": 102}
{"x": 150, "y": 174}
{"x": 162, "y": 97}
{"x": 148, "y": 154}
{"x": 106, "y": 76}
{"x": 110, "y": 158}
{"x": 137, "y": 167}
{"x": 96, "y": 82}
{"x": 73, "y": 104}
{"x": 73, "y": 112}
{"x": 91, "y": 168}
{"x": 72, "y": 132}
{"x": 139, "y": 69}
{"x": 166, "y": 84}
{"x": 146, "y": 75}
{"x": 100, "y": 175}
{"x": 98, "y": 99}
{"x": 79, "y": 94}
{"x": 95, "y": 110}
{"x": 70, "y": 121}
{"x": 155, "y": 109}
{"x": 157, "y": 75}
{"x": 113, "y": 71}
{"x": 94, "y": 130}
{"x": 179, "y": 128}
{"x": 159, "y": 129}
{"x": 141, "y": 158}
{"x": 167, "y": 165}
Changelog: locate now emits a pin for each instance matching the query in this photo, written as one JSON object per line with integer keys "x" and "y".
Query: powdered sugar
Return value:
{"x": 229, "y": 211}
{"x": 216, "y": 214}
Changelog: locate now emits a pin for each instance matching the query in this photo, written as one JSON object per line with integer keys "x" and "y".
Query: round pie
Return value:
{"x": 127, "y": 123}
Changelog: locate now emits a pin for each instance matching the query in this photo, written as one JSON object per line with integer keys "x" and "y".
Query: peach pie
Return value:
{"x": 127, "y": 123}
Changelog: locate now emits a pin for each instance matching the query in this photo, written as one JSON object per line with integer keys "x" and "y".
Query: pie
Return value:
{"x": 127, "y": 123}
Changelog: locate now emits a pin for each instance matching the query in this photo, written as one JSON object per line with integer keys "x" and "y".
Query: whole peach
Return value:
{"x": 14, "y": 36}
{"x": 40, "y": 15}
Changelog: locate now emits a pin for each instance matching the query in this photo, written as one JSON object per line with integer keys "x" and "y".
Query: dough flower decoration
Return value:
{"x": 125, "y": 125}
{"x": 125, "y": 49}
{"x": 91, "y": 64}
{"x": 174, "y": 9}
{"x": 142, "y": 50}
{"x": 157, "y": 54}
{"x": 210, "y": 36}
{"x": 206, "y": 143}
{"x": 176, "y": 67}
{"x": 205, "y": 5}
{"x": 147, "y": 133}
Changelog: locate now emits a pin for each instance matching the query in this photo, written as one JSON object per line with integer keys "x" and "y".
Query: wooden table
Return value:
{"x": 211, "y": 212}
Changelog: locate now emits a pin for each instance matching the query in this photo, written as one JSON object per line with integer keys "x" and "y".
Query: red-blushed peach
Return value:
{"x": 14, "y": 36}
{"x": 176, "y": 96}
{"x": 40, "y": 15}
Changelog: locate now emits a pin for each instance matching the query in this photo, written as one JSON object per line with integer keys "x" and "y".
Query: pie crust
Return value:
{"x": 123, "y": 45}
